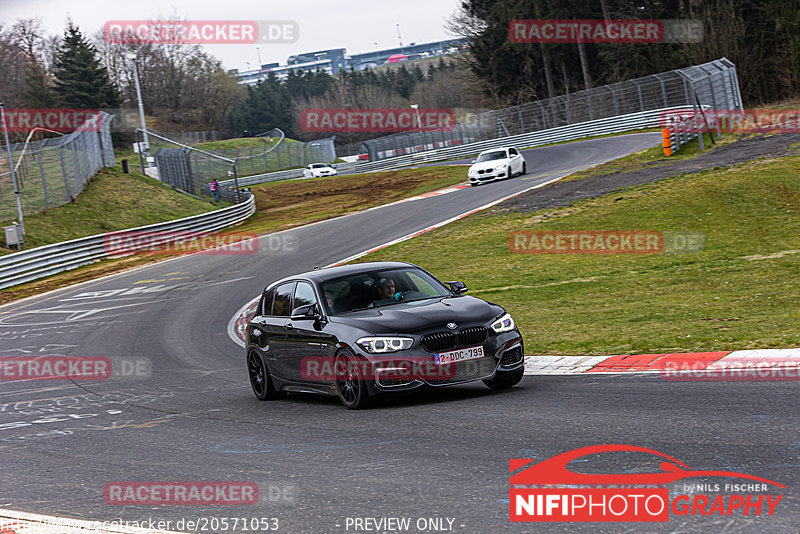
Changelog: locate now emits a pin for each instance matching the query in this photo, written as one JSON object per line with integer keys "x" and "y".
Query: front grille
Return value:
{"x": 511, "y": 357}
{"x": 475, "y": 335}
{"x": 468, "y": 370}
{"x": 439, "y": 341}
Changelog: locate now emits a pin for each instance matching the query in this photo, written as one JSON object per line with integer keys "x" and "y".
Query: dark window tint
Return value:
{"x": 304, "y": 295}
{"x": 282, "y": 307}
{"x": 266, "y": 302}
{"x": 512, "y": 151}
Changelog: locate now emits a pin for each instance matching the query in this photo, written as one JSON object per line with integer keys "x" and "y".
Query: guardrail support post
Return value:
{"x": 236, "y": 185}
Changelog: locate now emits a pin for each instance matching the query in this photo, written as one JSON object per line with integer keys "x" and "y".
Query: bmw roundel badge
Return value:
{"x": 451, "y": 326}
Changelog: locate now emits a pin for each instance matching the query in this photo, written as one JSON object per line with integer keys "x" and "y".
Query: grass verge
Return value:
{"x": 280, "y": 205}
{"x": 291, "y": 203}
{"x": 112, "y": 201}
{"x": 739, "y": 292}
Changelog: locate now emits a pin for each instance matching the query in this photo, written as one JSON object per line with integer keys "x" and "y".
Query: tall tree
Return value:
{"x": 80, "y": 80}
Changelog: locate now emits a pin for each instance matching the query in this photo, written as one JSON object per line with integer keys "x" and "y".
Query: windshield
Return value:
{"x": 489, "y": 156}
{"x": 378, "y": 288}
{"x": 319, "y": 165}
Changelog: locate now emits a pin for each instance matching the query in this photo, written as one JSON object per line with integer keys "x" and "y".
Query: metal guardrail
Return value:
{"x": 263, "y": 178}
{"x": 29, "y": 265}
{"x": 622, "y": 123}
{"x": 679, "y": 133}
{"x": 280, "y": 175}
{"x": 610, "y": 125}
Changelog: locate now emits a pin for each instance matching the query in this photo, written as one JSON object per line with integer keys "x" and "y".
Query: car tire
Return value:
{"x": 473, "y": 184}
{"x": 260, "y": 379}
{"x": 505, "y": 379}
{"x": 524, "y": 169}
{"x": 352, "y": 390}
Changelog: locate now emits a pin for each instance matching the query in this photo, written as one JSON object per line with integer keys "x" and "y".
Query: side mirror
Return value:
{"x": 457, "y": 287}
{"x": 308, "y": 311}
{"x": 474, "y": 161}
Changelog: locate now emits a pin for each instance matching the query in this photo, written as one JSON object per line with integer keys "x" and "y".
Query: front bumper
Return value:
{"x": 486, "y": 177}
{"x": 412, "y": 369}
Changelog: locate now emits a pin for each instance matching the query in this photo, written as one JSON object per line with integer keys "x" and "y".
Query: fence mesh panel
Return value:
{"x": 191, "y": 169}
{"x": 714, "y": 83}
{"x": 52, "y": 172}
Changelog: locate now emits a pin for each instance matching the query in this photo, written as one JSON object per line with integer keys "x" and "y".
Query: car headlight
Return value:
{"x": 379, "y": 345}
{"x": 504, "y": 324}
{"x": 502, "y": 166}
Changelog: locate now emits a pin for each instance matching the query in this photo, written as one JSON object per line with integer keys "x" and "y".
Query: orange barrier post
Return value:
{"x": 667, "y": 142}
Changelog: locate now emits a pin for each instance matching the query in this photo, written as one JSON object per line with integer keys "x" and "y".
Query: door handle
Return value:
{"x": 287, "y": 325}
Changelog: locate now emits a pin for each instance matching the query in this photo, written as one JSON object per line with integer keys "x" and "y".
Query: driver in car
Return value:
{"x": 387, "y": 293}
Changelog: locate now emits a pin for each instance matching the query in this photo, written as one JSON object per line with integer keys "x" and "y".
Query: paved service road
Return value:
{"x": 442, "y": 454}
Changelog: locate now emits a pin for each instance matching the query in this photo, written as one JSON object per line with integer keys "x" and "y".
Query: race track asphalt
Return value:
{"x": 438, "y": 454}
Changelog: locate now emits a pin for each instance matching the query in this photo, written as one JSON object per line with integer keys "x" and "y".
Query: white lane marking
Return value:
{"x": 46, "y": 295}
{"x": 27, "y": 523}
{"x": 232, "y": 323}
{"x": 442, "y": 223}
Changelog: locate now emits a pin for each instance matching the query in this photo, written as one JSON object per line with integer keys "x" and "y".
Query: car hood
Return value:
{"x": 409, "y": 317}
{"x": 488, "y": 164}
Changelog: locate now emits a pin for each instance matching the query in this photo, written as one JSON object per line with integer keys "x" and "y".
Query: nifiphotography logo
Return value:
{"x": 548, "y": 491}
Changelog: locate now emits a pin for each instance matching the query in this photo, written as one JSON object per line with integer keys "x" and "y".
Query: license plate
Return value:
{"x": 455, "y": 356}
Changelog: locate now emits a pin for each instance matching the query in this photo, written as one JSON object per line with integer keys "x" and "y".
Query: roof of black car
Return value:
{"x": 321, "y": 275}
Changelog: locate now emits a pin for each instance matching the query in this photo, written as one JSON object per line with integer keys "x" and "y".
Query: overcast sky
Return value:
{"x": 352, "y": 24}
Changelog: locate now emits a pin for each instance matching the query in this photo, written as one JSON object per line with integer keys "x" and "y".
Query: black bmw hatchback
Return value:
{"x": 370, "y": 329}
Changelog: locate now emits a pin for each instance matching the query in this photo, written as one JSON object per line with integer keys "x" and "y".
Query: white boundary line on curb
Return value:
{"x": 448, "y": 221}
{"x": 27, "y": 523}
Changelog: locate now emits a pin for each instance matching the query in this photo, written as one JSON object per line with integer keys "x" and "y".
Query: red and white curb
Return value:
{"x": 768, "y": 361}
{"x": 14, "y": 522}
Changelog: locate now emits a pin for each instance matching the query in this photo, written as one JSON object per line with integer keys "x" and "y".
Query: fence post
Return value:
{"x": 44, "y": 180}
{"x": 614, "y": 98}
{"x": 139, "y": 150}
{"x": 663, "y": 89}
{"x": 236, "y": 185}
{"x": 64, "y": 175}
{"x": 589, "y": 105}
{"x": 75, "y": 167}
{"x": 639, "y": 90}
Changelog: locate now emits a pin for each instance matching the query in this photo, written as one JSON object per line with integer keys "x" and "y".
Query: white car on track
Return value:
{"x": 315, "y": 170}
{"x": 495, "y": 164}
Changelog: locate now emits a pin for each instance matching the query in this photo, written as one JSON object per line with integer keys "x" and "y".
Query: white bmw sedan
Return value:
{"x": 495, "y": 164}
{"x": 315, "y": 170}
